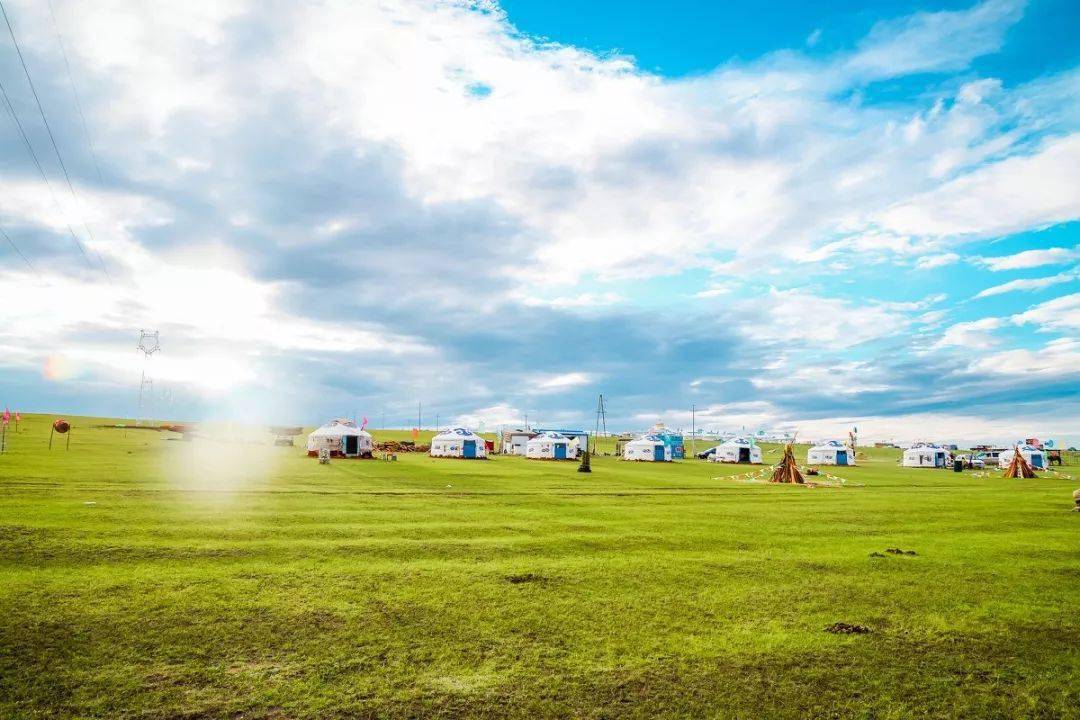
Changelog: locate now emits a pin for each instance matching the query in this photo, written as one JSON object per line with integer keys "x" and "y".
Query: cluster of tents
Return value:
{"x": 344, "y": 438}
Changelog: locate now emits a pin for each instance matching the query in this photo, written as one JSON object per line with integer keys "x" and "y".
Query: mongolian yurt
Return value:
{"x": 832, "y": 452}
{"x": 1035, "y": 457}
{"x": 648, "y": 448}
{"x": 737, "y": 450}
{"x": 458, "y": 443}
{"x": 923, "y": 455}
{"x": 551, "y": 446}
{"x": 343, "y": 438}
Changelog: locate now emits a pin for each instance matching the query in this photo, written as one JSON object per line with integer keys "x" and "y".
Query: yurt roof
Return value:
{"x": 829, "y": 445}
{"x": 457, "y": 434}
{"x": 1025, "y": 448}
{"x": 741, "y": 442}
{"x": 340, "y": 426}
{"x": 550, "y": 436}
{"x": 651, "y": 439}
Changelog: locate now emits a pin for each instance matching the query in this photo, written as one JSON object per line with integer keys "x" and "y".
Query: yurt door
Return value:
{"x": 352, "y": 445}
{"x": 841, "y": 457}
{"x": 560, "y": 451}
{"x": 744, "y": 455}
{"x": 469, "y": 449}
{"x": 658, "y": 453}
{"x": 1036, "y": 460}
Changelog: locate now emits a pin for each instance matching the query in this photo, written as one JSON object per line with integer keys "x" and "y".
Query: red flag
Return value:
{"x": 363, "y": 424}
{"x": 415, "y": 433}
{"x": 7, "y": 415}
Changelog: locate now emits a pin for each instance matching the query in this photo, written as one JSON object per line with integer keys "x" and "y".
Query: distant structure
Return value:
{"x": 148, "y": 345}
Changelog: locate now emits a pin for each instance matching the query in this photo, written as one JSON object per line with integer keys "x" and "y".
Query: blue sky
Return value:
{"x": 788, "y": 216}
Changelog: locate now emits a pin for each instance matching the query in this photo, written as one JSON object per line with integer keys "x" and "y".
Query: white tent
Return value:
{"x": 458, "y": 443}
{"x": 737, "y": 450}
{"x": 552, "y": 446}
{"x": 647, "y": 448}
{"x": 832, "y": 452}
{"x": 924, "y": 455}
{"x": 343, "y": 438}
{"x": 1035, "y": 457}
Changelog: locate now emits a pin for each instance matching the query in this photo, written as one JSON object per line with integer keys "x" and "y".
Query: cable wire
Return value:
{"x": 48, "y": 129}
{"x": 19, "y": 252}
{"x": 75, "y": 92}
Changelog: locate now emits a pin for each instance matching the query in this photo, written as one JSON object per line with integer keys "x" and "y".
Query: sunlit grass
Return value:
{"x": 147, "y": 577}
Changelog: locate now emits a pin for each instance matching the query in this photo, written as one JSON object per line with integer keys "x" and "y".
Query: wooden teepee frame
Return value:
{"x": 1019, "y": 467}
{"x": 788, "y": 470}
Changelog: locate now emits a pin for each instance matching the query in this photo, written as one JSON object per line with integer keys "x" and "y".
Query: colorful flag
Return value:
{"x": 415, "y": 433}
{"x": 363, "y": 424}
{"x": 7, "y": 415}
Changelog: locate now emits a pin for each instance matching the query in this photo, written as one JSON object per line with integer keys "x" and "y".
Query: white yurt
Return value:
{"x": 1035, "y": 457}
{"x": 342, "y": 437}
{"x": 832, "y": 452}
{"x": 924, "y": 455}
{"x": 737, "y": 450}
{"x": 647, "y": 448}
{"x": 458, "y": 443}
{"x": 551, "y": 446}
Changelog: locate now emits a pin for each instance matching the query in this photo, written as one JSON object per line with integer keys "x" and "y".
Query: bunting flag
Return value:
{"x": 7, "y": 415}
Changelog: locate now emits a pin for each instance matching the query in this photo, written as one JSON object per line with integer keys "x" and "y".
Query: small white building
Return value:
{"x": 737, "y": 450}
{"x": 458, "y": 443}
{"x": 551, "y": 446}
{"x": 928, "y": 456}
{"x": 514, "y": 442}
{"x": 832, "y": 452}
{"x": 647, "y": 448}
{"x": 1035, "y": 457}
{"x": 342, "y": 438}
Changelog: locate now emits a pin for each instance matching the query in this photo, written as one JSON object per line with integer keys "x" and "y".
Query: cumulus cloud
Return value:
{"x": 1030, "y": 284}
{"x": 1031, "y": 258}
{"x": 387, "y": 202}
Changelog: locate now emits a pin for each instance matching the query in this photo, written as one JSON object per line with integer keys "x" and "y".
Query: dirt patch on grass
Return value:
{"x": 898, "y": 551}
{"x": 527, "y": 578}
{"x": 843, "y": 628}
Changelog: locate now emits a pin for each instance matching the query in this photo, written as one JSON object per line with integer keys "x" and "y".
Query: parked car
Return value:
{"x": 707, "y": 454}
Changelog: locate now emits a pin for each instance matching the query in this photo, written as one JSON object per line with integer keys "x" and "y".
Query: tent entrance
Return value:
{"x": 1036, "y": 460}
{"x": 560, "y": 451}
{"x": 841, "y": 457}
{"x": 352, "y": 445}
{"x": 658, "y": 453}
{"x": 744, "y": 455}
{"x": 469, "y": 449}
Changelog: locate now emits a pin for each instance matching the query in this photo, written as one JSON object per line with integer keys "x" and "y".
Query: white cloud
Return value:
{"x": 971, "y": 334}
{"x": 796, "y": 316}
{"x": 929, "y": 262}
{"x": 559, "y": 383}
{"x": 1031, "y": 258}
{"x": 1060, "y": 314}
{"x": 1058, "y": 358}
{"x": 1030, "y": 284}
{"x": 1014, "y": 194}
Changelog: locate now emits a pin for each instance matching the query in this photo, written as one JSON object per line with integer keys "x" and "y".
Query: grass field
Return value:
{"x": 152, "y": 578}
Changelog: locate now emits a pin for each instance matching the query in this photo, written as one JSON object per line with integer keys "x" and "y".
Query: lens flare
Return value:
{"x": 58, "y": 368}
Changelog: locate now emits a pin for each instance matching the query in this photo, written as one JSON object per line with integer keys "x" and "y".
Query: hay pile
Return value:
{"x": 400, "y": 446}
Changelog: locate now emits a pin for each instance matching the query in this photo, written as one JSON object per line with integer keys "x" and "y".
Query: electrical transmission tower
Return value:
{"x": 601, "y": 417}
{"x": 148, "y": 345}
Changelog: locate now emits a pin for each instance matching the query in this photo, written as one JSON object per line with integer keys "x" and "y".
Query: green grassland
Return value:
{"x": 146, "y": 577}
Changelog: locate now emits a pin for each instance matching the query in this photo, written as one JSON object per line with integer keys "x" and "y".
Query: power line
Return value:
{"x": 41, "y": 170}
{"x": 75, "y": 91}
{"x": 19, "y": 252}
{"x": 48, "y": 129}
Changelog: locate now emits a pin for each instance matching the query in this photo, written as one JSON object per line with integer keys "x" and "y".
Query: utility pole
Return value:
{"x": 601, "y": 418}
{"x": 419, "y": 407}
{"x": 693, "y": 430}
